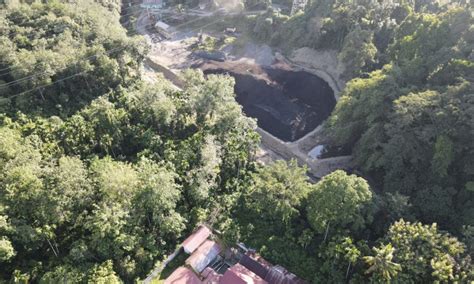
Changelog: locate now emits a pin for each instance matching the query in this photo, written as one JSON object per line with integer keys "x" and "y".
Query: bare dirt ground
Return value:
{"x": 324, "y": 63}
{"x": 287, "y": 103}
{"x": 176, "y": 54}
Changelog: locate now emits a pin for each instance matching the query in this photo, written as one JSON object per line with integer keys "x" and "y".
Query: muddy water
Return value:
{"x": 288, "y": 104}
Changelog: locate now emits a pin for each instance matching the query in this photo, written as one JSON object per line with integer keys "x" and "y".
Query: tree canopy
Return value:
{"x": 47, "y": 50}
{"x": 103, "y": 174}
{"x": 338, "y": 200}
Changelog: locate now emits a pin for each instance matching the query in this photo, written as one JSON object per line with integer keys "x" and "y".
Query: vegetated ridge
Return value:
{"x": 102, "y": 173}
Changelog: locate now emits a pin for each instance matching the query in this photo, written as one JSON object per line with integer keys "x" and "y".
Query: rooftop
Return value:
{"x": 258, "y": 267}
{"x": 196, "y": 239}
{"x": 211, "y": 276}
{"x": 279, "y": 275}
{"x": 183, "y": 275}
{"x": 239, "y": 274}
{"x": 203, "y": 256}
{"x": 239, "y": 265}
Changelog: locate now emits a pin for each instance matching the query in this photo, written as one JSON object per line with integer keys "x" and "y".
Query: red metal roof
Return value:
{"x": 203, "y": 255}
{"x": 210, "y": 276}
{"x": 279, "y": 275}
{"x": 183, "y": 275}
{"x": 251, "y": 263}
{"x": 196, "y": 239}
{"x": 239, "y": 274}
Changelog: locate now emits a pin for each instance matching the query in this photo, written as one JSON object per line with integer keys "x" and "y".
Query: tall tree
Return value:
{"x": 425, "y": 254}
{"x": 381, "y": 265}
{"x": 278, "y": 191}
{"x": 358, "y": 52}
{"x": 341, "y": 201}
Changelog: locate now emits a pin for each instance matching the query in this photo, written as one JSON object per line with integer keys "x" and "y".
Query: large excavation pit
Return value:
{"x": 287, "y": 103}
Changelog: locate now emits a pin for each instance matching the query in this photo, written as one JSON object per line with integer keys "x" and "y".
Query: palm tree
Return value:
{"x": 381, "y": 265}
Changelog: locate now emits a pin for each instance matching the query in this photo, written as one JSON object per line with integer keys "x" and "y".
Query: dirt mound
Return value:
{"x": 286, "y": 103}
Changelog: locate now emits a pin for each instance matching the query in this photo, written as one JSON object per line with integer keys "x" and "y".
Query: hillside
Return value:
{"x": 119, "y": 138}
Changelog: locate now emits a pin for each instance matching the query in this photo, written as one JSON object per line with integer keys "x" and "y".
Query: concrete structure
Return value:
{"x": 153, "y": 4}
{"x": 162, "y": 25}
{"x": 163, "y": 29}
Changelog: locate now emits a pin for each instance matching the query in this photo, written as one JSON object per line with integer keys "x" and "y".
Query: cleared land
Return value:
{"x": 287, "y": 103}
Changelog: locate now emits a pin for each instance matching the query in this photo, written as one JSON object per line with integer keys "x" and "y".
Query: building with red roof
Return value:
{"x": 239, "y": 274}
{"x": 279, "y": 275}
{"x": 196, "y": 239}
{"x": 205, "y": 267}
{"x": 183, "y": 275}
{"x": 203, "y": 256}
{"x": 211, "y": 276}
{"x": 256, "y": 263}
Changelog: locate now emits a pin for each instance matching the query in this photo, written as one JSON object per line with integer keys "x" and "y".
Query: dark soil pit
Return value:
{"x": 286, "y": 103}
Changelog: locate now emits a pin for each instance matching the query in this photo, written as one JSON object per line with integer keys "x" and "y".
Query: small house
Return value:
{"x": 239, "y": 274}
{"x": 203, "y": 256}
{"x": 183, "y": 275}
{"x": 196, "y": 239}
{"x": 153, "y": 4}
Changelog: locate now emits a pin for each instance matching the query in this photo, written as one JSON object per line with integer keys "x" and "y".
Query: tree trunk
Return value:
{"x": 326, "y": 234}
{"x": 348, "y": 269}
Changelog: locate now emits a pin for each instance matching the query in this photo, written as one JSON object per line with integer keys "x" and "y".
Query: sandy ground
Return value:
{"x": 174, "y": 53}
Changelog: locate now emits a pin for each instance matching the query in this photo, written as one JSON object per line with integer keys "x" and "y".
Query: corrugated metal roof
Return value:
{"x": 153, "y": 2}
{"x": 210, "y": 276}
{"x": 203, "y": 255}
{"x": 254, "y": 266}
{"x": 183, "y": 275}
{"x": 279, "y": 275}
{"x": 196, "y": 239}
{"x": 239, "y": 274}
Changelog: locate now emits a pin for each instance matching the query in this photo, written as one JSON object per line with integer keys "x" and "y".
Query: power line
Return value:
{"x": 3, "y": 74}
{"x": 82, "y": 59}
{"x": 16, "y": 67}
{"x": 49, "y": 84}
{"x": 83, "y": 72}
{"x": 121, "y": 16}
{"x": 15, "y": 82}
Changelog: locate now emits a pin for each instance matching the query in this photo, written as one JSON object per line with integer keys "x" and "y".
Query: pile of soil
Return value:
{"x": 286, "y": 103}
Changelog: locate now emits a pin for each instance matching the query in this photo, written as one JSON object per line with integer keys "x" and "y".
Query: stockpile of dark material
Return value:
{"x": 288, "y": 104}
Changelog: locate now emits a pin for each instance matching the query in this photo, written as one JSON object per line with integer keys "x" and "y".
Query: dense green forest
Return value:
{"x": 102, "y": 174}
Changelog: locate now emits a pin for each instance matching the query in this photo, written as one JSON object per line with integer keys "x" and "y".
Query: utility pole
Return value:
{"x": 298, "y": 5}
